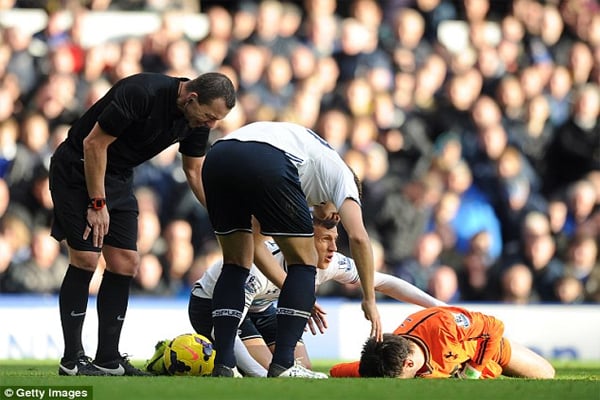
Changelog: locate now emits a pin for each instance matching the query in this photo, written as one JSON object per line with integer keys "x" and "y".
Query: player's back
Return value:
{"x": 298, "y": 142}
{"x": 323, "y": 173}
{"x": 437, "y": 331}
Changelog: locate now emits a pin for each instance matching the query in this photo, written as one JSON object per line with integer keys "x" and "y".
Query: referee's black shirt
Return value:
{"x": 141, "y": 111}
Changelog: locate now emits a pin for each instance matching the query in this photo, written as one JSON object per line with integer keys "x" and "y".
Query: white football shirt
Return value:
{"x": 324, "y": 175}
{"x": 260, "y": 292}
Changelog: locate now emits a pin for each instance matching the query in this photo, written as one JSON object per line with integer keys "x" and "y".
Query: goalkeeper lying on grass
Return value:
{"x": 255, "y": 343}
{"x": 446, "y": 342}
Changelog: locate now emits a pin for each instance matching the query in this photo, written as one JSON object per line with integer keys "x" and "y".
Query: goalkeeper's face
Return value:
{"x": 325, "y": 243}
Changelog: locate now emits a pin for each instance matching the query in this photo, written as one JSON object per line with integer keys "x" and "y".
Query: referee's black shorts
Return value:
{"x": 242, "y": 179}
{"x": 70, "y": 198}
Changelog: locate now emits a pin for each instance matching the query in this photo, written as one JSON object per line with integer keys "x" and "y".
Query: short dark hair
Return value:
{"x": 384, "y": 359}
{"x": 211, "y": 86}
{"x": 325, "y": 223}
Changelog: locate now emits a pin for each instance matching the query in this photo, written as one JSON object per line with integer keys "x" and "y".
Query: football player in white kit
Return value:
{"x": 275, "y": 171}
{"x": 258, "y": 329}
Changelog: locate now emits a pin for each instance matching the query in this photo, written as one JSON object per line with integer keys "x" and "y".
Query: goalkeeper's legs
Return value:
{"x": 525, "y": 363}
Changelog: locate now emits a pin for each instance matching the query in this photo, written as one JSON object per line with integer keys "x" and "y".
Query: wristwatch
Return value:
{"x": 97, "y": 203}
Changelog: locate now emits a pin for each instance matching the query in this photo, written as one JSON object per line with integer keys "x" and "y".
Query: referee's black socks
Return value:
{"x": 113, "y": 296}
{"x": 73, "y": 300}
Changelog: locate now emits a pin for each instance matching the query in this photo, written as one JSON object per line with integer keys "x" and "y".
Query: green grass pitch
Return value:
{"x": 574, "y": 380}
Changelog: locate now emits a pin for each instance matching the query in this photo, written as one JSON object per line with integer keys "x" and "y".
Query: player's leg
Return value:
{"x": 264, "y": 328}
{"x": 301, "y": 355}
{"x": 122, "y": 263}
{"x": 73, "y": 300}
{"x": 229, "y": 175}
{"x": 246, "y": 362}
{"x": 111, "y": 303}
{"x": 70, "y": 199}
{"x": 253, "y": 340}
{"x": 293, "y": 232}
{"x": 259, "y": 350}
{"x": 229, "y": 297}
{"x": 295, "y": 302}
{"x": 525, "y": 363}
{"x": 200, "y": 315}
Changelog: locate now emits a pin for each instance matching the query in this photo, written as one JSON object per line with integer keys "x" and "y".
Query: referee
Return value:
{"x": 95, "y": 210}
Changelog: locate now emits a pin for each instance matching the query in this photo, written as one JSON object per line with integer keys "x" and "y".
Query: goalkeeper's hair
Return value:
{"x": 384, "y": 359}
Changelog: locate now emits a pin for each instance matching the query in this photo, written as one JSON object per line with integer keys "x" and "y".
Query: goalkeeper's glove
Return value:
{"x": 468, "y": 372}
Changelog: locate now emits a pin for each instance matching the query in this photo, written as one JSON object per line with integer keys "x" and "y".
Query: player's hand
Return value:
{"x": 372, "y": 314}
{"x": 317, "y": 317}
{"x": 468, "y": 372}
{"x": 97, "y": 224}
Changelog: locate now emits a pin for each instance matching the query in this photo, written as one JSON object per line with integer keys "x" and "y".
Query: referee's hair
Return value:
{"x": 211, "y": 86}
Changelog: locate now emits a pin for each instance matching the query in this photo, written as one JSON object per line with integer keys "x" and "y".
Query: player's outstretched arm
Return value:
{"x": 401, "y": 290}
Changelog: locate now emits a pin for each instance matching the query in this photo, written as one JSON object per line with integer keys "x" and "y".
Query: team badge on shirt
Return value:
{"x": 461, "y": 320}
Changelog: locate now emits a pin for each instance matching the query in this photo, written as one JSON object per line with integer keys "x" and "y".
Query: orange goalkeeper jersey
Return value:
{"x": 450, "y": 336}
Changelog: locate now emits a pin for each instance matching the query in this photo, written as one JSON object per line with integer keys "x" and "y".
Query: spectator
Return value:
{"x": 149, "y": 231}
{"x": 569, "y": 290}
{"x": 42, "y": 272}
{"x": 4, "y": 197}
{"x": 443, "y": 284}
{"x": 352, "y": 56}
{"x": 14, "y": 226}
{"x": 419, "y": 268}
{"x": 559, "y": 92}
{"x": 582, "y": 262}
{"x": 409, "y": 48}
{"x": 474, "y": 213}
{"x": 334, "y": 126}
{"x": 177, "y": 60}
{"x": 517, "y": 285}
{"x": 21, "y": 62}
{"x": 5, "y": 263}
{"x": 503, "y": 97}
{"x": 36, "y": 201}
{"x": 580, "y": 63}
{"x": 474, "y": 277}
{"x": 538, "y": 254}
{"x": 403, "y": 217}
{"x": 16, "y": 162}
{"x": 148, "y": 280}
{"x": 576, "y": 144}
{"x": 535, "y": 133}
{"x": 266, "y": 34}
{"x": 178, "y": 257}
{"x": 581, "y": 201}
{"x": 518, "y": 196}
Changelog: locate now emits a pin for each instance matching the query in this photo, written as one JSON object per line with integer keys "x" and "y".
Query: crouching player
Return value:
{"x": 258, "y": 328}
{"x": 446, "y": 342}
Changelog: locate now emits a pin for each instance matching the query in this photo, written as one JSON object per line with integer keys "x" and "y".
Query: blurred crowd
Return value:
{"x": 473, "y": 125}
